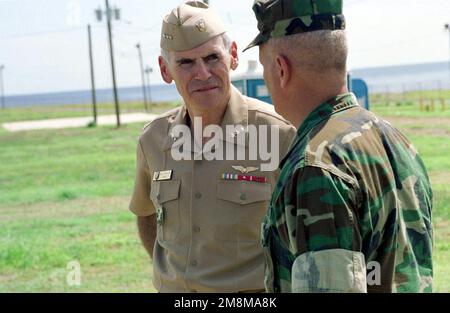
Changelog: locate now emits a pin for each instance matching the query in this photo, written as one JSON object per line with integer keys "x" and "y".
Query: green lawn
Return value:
{"x": 434, "y": 103}
{"x": 411, "y": 109}
{"x": 430, "y": 133}
{"x": 39, "y": 240}
{"x": 64, "y": 197}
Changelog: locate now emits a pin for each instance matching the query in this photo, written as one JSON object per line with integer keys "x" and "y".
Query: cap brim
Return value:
{"x": 256, "y": 42}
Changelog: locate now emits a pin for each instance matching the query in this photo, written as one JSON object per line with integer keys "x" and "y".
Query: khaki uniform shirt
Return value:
{"x": 208, "y": 233}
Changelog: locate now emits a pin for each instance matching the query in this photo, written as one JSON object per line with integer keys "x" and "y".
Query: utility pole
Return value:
{"x": 447, "y": 27}
{"x": 148, "y": 71}
{"x": 109, "y": 14}
{"x": 91, "y": 62}
{"x": 138, "y": 46}
{"x": 2, "y": 91}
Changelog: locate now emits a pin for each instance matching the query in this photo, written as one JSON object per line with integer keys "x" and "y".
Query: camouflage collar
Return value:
{"x": 321, "y": 113}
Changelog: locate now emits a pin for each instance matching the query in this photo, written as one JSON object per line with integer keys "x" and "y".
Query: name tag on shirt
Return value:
{"x": 163, "y": 175}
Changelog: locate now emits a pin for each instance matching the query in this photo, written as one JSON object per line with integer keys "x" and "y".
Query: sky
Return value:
{"x": 44, "y": 46}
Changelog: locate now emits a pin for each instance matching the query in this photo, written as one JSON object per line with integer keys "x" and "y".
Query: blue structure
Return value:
{"x": 361, "y": 91}
{"x": 253, "y": 87}
{"x": 252, "y": 84}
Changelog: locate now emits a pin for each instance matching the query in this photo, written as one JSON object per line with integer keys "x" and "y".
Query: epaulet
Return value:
{"x": 265, "y": 108}
{"x": 170, "y": 113}
{"x": 147, "y": 125}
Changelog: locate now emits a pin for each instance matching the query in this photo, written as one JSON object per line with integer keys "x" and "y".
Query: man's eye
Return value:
{"x": 186, "y": 63}
{"x": 212, "y": 58}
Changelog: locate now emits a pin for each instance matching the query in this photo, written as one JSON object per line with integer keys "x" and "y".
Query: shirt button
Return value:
{"x": 198, "y": 195}
{"x": 196, "y": 229}
{"x": 243, "y": 196}
{"x": 158, "y": 197}
{"x": 194, "y": 263}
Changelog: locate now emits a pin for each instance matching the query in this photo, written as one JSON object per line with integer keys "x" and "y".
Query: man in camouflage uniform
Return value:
{"x": 352, "y": 208}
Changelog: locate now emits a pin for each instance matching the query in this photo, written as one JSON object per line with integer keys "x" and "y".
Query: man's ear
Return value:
{"x": 163, "y": 67}
{"x": 284, "y": 70}
{"x": 234, "y": 56}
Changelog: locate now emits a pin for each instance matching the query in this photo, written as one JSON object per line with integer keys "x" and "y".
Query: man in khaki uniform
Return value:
{"x": 199, "y": 216}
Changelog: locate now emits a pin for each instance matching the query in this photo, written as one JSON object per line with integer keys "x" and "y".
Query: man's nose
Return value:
{"x": 202, "y": 71}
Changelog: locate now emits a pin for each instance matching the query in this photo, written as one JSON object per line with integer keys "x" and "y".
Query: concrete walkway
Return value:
{"x": 77, "y": 122}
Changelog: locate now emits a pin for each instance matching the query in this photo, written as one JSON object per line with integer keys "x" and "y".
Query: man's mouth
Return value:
{"x": 208, "y": 88}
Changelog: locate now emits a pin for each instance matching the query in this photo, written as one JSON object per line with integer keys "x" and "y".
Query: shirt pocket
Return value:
{"x": 165, "y": 196}
{"x": 240, "y": 210}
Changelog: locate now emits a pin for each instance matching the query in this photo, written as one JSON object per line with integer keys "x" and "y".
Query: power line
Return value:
{"x": 43, "y": 33}
{"x": 111, "y": 13}
{"x": 139, "y": 30}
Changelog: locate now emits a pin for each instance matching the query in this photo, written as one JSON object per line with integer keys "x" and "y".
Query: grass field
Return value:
{"x": 430, "y": 133}
{"x": 64, "y": 196}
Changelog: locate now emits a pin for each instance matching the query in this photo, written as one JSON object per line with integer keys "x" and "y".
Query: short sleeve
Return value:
{"x": 140, "y": 203}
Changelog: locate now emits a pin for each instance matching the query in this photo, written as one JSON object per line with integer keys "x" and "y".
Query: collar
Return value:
{"x": 321, "y": 113}
{"x": 236, "y": 114}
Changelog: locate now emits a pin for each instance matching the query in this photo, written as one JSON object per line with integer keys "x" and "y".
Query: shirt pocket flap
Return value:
{"x": 243, "y": 192}
{"x": 164, "y": 191}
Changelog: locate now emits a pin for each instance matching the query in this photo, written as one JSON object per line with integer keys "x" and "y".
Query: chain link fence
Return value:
{"x": 425, "y": 95}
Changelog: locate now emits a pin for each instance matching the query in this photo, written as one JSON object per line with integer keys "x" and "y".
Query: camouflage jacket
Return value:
{"x": 352, "y": 208}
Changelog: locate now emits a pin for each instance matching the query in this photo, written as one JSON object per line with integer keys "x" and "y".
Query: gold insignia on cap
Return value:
{"x": 201, "y": 25}
{"x": 190, "y": 25}
{"x": 167, "y": 36}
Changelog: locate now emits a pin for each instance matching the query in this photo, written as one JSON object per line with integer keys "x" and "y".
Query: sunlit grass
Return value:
{"x": 64, "y": 196}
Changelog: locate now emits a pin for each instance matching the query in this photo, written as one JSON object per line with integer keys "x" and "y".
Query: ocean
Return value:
{"x": 426, "y": 76}
{"x": 159, "y": 93}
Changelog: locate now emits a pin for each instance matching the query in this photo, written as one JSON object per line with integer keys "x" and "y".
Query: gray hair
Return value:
{"x": 226, "y": 43}
{"x": 320, "y": 52}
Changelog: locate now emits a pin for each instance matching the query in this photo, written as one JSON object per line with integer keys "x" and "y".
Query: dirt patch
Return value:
{"x": 433, "y": 126}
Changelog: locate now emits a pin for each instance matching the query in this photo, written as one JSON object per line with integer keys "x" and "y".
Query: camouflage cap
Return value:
{"x": 279, "y": 18}
{"x": 190, "y": 25}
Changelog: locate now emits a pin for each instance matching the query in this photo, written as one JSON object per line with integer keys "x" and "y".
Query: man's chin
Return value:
{"x": 206, "y": 105}
{"x": 207, "y": 98}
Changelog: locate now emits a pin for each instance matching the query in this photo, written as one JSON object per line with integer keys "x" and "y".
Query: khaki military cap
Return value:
{"x": 190, "y": 25}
